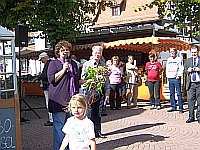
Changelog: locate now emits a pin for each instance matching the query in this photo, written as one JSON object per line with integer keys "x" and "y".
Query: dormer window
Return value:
{"x": 115, "y": 11}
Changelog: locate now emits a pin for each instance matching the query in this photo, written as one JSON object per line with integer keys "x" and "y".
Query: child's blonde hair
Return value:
{"x": 78, "y": 98}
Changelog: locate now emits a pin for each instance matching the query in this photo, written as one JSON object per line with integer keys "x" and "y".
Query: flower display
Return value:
{"x": 95, "y": 79}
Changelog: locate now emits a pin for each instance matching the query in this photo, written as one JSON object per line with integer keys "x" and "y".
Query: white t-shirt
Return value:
{"x": 80, "y": 132}
{"x": 174, "y": 67}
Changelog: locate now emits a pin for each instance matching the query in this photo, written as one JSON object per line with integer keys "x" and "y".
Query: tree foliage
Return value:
{"x": 183, "y": 13}
{"x": 58, "y": 19}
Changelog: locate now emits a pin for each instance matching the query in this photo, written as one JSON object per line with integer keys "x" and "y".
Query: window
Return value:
{"x": 115, "y": 11}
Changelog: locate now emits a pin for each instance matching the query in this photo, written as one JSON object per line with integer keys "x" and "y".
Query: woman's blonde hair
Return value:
{"x": 78, "y": 98}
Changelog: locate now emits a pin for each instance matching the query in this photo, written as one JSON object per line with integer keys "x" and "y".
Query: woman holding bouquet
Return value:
{"x": 115, "y": 84}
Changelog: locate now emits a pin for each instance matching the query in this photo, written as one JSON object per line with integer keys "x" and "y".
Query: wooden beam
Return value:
{"x": 7, "y": 103}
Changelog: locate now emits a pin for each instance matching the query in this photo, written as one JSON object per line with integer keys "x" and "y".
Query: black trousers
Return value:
{"x": 94, "y": 114}
{"x": 193, "y": 95}
{"x": 118, "y": 89}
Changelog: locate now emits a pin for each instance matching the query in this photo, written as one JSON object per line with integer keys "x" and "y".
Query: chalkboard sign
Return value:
{"x": 7, "y": 129}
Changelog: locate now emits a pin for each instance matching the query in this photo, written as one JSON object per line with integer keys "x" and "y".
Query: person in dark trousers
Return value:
{"x": 192, "y": 69}
{"x": 93, "y": 112}
{"x": 45, "y": 83}
{"x": 154, "y": 70}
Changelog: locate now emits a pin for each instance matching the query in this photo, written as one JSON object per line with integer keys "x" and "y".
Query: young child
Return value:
{"x": 79, "y": 129}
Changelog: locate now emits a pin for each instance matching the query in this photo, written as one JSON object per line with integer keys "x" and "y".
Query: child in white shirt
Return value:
{"x": 79, "y": 129}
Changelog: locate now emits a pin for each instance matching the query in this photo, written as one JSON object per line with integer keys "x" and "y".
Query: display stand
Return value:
{"x": 10, "y": 135}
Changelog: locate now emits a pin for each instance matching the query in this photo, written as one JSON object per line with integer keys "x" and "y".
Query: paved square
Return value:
{"x": 126, "y": 129}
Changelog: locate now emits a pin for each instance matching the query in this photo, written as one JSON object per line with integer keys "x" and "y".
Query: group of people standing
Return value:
{"x": 174, "y": 71}
{"x": 122, "y": 76}
{"x": 75, "y": 124}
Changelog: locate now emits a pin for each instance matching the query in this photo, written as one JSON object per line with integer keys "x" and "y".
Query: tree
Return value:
{"x": 58, "y": 19}
{"x": 183, "y": 13}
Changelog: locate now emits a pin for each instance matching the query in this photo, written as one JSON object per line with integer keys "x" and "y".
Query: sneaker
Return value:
{"x": 152, "y": 107}
{"x": 158, "y": 107}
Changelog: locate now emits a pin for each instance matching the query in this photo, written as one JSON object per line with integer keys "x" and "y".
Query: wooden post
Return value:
{"x": 18, "y": 122}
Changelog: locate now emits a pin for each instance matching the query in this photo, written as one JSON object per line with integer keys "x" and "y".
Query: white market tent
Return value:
{"x": 5, "y": 34}
{"x": 7, "y": 37}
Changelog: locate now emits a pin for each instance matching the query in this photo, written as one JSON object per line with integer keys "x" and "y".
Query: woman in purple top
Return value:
{"x": 115, "y": 83}
{"x": 63, "y": 78}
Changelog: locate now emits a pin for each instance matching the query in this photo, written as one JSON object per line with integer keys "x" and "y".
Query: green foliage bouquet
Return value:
{"x": 96, "y": 78}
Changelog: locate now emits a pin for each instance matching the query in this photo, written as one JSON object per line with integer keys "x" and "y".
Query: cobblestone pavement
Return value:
{"x": 126, "y": 129}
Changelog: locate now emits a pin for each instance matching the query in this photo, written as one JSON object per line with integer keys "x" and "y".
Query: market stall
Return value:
{"x": 30, "y": 81}
{"x": 30, "y": 86}
{"x": 157, "y": 45}
{"x": 145, "y": 45}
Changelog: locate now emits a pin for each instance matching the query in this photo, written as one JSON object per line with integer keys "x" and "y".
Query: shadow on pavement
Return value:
{"x": 129, "y": 140}
{"x": 111, "y": 114}
{"x": 135, "y": 128}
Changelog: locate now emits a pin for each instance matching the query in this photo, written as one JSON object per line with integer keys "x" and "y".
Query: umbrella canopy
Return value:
{"x": 148, "y": 43}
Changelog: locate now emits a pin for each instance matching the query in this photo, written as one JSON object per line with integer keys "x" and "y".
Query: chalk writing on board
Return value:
{"x": 7, "y": 133}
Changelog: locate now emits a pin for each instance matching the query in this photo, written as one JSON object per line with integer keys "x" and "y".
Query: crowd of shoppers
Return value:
{"x": 62, "y": 79}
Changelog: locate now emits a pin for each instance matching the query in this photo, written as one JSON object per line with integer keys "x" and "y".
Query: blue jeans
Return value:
{"x": 59, "y": 119}
{"x": 154, "y": 85}
{"x": 175, "y": 83}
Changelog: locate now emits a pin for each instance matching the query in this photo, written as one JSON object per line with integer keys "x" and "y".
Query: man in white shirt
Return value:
{"x": 174, "y": 71}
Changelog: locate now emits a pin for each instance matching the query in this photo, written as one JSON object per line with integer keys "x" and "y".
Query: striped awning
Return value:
{"x": 148, "y": 43}
{"x": 145, "y": 44}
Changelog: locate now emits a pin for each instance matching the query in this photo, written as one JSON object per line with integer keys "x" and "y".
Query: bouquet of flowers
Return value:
{"x": 96, "y": 78}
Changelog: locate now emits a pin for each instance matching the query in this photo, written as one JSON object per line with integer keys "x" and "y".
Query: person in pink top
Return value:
{"x": 115, "y": 83}
{"x": 154, "y": 70}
